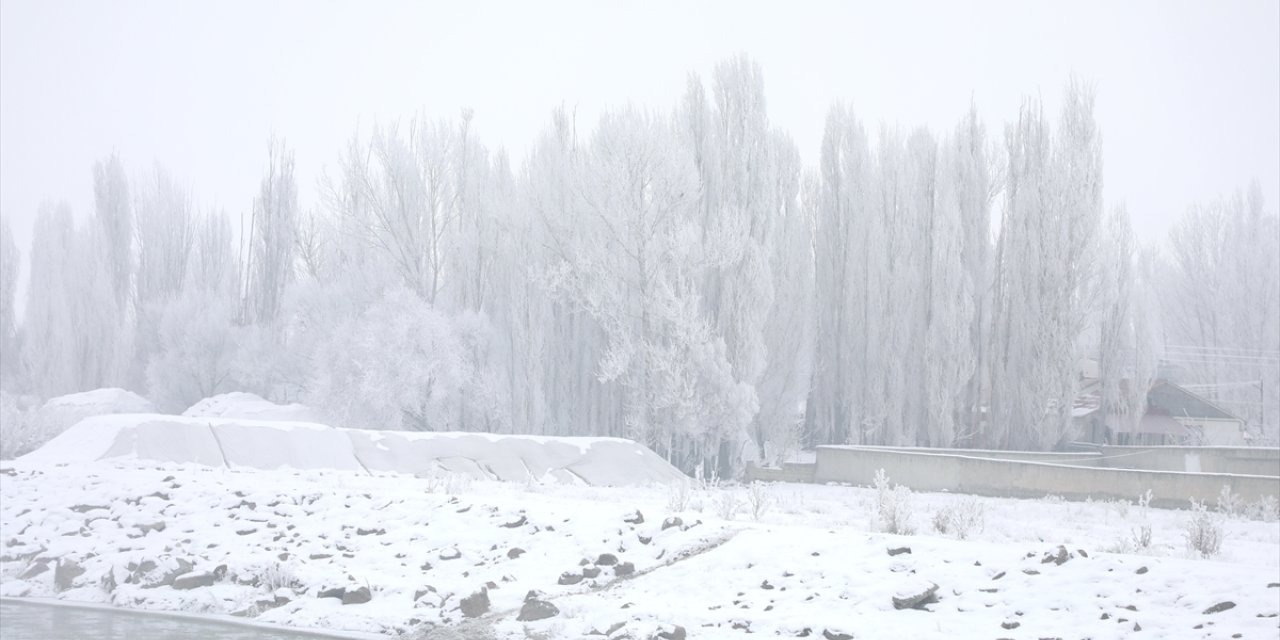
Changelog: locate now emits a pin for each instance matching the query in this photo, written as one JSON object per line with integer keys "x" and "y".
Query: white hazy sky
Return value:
{"x": 1188, "y": 92}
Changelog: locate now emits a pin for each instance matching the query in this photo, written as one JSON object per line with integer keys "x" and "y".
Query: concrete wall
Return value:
{"x": 936, "y": 471}
{"x": 790, "y": 472}
{"x": 1258, "y": 461}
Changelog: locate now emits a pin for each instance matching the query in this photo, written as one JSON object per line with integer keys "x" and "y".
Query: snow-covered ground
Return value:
{"x": 269, "y": 544}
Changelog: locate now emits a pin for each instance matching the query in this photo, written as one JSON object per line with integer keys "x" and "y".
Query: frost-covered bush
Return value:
{"x": 759, "y": 498}
{"x": 1142, "y": 533}
{"x": 678, "y": 494}
{"x": 893, "y": 506}
{"x": 1229, "y": 503}
{"x": 276, "y": 576}
{"x": 1204, "y": 531}
{"x": 1264, "y": 509}
{"x": 960, "y": 518}
{"x": 726, "y": 504}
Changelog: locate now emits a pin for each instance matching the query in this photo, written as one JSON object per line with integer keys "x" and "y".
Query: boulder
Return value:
{"x": 476, "y": 604}
{"x": 569, "y": 578}
{"x": 916, "y": 596}
{"x": 624, "y": 569}
{"x": 673, "y": 521}
{"x": 359, "y": 596}
{"x": 537, "y": 610}
{"x": 66, "y": 572}
{"x": 634, "y": 518}
{"x": 607, "y": 560}
{"x": 1220, "y": 607}
{"x": 188, "y": 581}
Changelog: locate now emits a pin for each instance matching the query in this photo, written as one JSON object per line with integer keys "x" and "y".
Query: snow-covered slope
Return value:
{"x": 452, "y": 558}
{"x": 261, "y": 444}
{"x": 248, "y": 406}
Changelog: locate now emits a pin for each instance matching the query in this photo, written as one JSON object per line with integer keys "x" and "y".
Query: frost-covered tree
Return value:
{"x": 1221, "y": 305}
{"x": 631, "y": 258}
{"x": 273, "y": 231}
{"x": 69, "y": 322}
{"x": 1045, "y": 272}
{"x": 114, "y": 215}
{"x": 10, "y": 264}
{"x": 398, "y": 365}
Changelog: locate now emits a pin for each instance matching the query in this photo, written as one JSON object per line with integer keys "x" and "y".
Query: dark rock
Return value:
{"x": 426, "y": 566}
{"x": 1082, "y": 553}
{"x": 450, "y": 554}
{"x": 34, "y": 569}
{"x": 1273, "y": 585}
{"x": 678, "y": 633}
{"x": 515, "y": 552}
{"x": 917, "y": 600}
{"x": 1220, "y": 607}
{"x": 417, "y": 595}
{"x": 359, "y": 596}
{"x": 607, "y": 560}
{"x": 673, "y": 521}
{"x": 533, "y": 594}
{"x": 1137, "y": 627}
{"x": 998, "y": 576}
{"x": 590, "y": 572}
{"x": 518, "y": 523}
{"x": 899, "y": 551}
{"x": 836, "y": 635}
{"x": 1012, "y": 624}
{"x": 624, "y": 569}
{"x": 645, "y": 539}
{"x": 765, "y": 585}
{"x": 1141, "y": 570}
{"x": 65, "y": 573}
{"x": 369, "y": 532}
{"x": 194, "y": 580}
{"x": 634, "y": 518}
{"x": 1058, "y": 558}
{"x": 537, "y": 610}
{"x": 476, "y": 604}
{"x": 245, "y": 532}
{"x": 569, "y": 577}
{"x": 320, "y": 556}
{"x": 336, "y": 592}
{"x": 82, "y": 508}
{"x": 1031, "y": 572}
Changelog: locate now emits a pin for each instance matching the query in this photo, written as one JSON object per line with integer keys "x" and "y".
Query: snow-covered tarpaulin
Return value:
{"x": 261, "y": 444}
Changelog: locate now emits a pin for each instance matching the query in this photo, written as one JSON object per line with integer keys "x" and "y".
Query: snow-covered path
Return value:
{"x": 408, "y": 553}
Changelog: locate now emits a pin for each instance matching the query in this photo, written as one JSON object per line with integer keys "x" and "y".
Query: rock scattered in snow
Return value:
{"x": 537, "y": 610}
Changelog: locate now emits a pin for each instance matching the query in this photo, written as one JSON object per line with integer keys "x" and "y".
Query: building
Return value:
{"x": 1173, "y": 415}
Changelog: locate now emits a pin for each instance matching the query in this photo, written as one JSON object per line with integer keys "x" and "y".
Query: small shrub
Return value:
{"x": 893, "y": 506}
{"x": 726, "y": 504}
{"x": 1142, "y": 534}
{"x": 1204, "y": 531}
{"x": 1264, "y": 509}
{"x": 1229, "y": 504}
{"x": 960, "y": 518}
{"x": 276, "y": 575}
{"x": 759, "y": 498}
{"x": 678, "y": 494}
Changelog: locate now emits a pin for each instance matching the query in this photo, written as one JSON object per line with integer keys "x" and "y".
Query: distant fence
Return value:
{"x": 1116, "y": 472}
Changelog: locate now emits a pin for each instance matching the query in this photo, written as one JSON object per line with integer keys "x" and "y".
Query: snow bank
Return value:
{"x": 248, "y": 406}
{"x": 63, "y": 411}
{"x": 261, "y": 444}
{"x": 593, "y": 461}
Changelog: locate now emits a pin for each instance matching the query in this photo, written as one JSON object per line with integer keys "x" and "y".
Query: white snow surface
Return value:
{"x": 249, "y": 406}
{"x": 812, "y": 560}
{"x": 262, "y": 444}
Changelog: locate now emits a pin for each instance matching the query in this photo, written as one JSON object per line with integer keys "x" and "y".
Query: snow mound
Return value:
{"x": 63, "y": 411}
{"x": 249, "y": 406}
{"x": 262, "y": 444}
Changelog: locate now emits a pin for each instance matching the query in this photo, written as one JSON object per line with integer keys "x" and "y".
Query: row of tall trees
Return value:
{"x": 675, "y": 277}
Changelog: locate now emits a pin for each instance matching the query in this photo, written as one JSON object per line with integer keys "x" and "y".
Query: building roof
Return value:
{"x": 1181, "y": 403}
